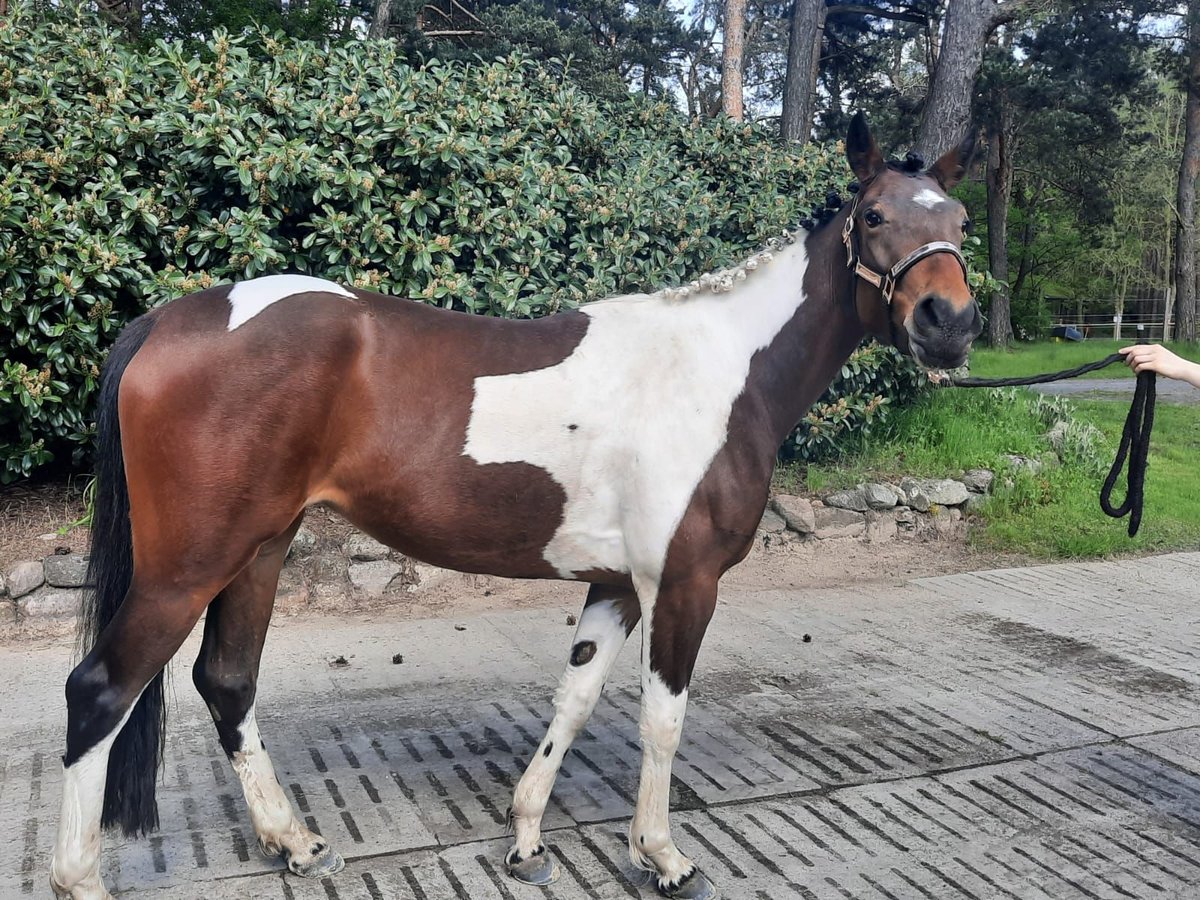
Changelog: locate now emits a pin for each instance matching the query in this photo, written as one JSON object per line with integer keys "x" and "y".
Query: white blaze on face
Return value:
{"x": 930, "y": 199}
{"x": 248, "y": 298}
{"x": 630, "y": 422}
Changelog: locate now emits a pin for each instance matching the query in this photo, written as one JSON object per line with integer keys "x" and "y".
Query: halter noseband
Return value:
{"x": 887, "y": 281}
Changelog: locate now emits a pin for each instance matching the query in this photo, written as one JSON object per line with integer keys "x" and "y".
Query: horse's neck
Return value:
{"x": 818, "y": 337}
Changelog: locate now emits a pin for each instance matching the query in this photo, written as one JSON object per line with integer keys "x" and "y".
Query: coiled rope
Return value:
{"x": 1135, "y": 439}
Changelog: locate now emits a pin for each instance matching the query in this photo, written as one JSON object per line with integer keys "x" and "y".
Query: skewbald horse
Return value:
{"x": 629, "y": 445}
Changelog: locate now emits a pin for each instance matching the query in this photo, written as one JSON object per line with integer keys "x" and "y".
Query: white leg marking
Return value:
{"x": 603, "y": 625}
{"x": 650, "y": 843}
{"x": 279, "y": 832}
{"x": 270, "y": 811}
{"x": 75, "y": 867}
{"x": 248, "y": 298}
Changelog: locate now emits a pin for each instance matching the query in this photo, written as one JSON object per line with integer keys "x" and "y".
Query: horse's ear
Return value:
{"x": 950, "y": 169}
{"x": 861, "y": 150}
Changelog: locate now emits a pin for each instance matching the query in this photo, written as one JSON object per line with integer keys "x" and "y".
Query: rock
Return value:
{"x": 833, "y": 522}
{"x": 8, "y": 613}
{"x": 914, "y": 492}
{"x": 797, "y": 513}
{"x": 427, "y": 576}
{"x": 3, "y": 586}
{"x": 853, "y": 499}
{"x": 25, "y": 577}
{"x": 947, "y": 523}
{"x": 363, "y": 548}
{"x": 880, "y": 496}
{"x": 49, "y": 604}
{"x": 1023, "y": 463}
{"x": 881, "y": 527}
{"x": 946, "y": 492}
{"x": 978, "y": 481}
{"x": 974, "y": 503}
{"x": 68, "y": 571}
{"x": 772, "y": 523}
{"x": 303, "y": 544}
{"x": 373, "y": 577}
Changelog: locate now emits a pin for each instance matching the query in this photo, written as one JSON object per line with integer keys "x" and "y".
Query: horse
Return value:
{"x": 628, "y": 444}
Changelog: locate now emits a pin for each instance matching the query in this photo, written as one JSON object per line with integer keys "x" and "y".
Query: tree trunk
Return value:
{"x": 1189, "y": 168}
{"x": 999, "y": 190}
{"x": 1028, "y": 205}
{"x": 732, "y": 58}
{"x": 947, "y": 113}
{"x": 381, "y": 19}
{"x": 803, "y": 67}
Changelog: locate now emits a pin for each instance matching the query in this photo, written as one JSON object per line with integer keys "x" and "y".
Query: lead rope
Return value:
{"x": 1135, "y": 439}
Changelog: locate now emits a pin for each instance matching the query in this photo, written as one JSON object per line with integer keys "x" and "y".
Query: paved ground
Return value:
{"x": 1167, "y": 391}
{"x": 1023, "y": 734}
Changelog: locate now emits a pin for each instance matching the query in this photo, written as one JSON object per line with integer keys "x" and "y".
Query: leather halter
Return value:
{"x": 888, "y": 280}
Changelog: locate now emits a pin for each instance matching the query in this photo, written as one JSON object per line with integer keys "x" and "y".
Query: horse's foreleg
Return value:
{"x": 676, "y": 616}
{"x": 226, "y": 674}
{"x": 101, "y": 694}
{"x": 609, "y": 615}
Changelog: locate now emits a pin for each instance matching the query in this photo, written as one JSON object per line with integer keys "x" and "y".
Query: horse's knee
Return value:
{"x": 229, "y": 694}
{"x": 95, "y": 707}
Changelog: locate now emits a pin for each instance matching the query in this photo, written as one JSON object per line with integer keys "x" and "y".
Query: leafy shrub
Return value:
{"x": 859, "y": 399}
{"x": 132, "y": 176}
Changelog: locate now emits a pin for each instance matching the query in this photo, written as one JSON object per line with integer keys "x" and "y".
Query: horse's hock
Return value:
{"x": 333, "y": 568}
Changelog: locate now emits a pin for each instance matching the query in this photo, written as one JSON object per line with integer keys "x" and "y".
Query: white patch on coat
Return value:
{"x": 75, "y": 867}
{"x": 650, "y": 844}
{"x": 930, "y": 199}
{"x": 248, "y": 298}
{"x": 649, "y": 391}
{"x": 271, "y": 812}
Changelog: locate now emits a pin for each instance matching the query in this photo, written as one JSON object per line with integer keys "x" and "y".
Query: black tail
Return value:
{"x": 137, "y": 753}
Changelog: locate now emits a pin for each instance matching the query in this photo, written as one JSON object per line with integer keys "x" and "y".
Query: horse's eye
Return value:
{"x": 968, "y": 226}
{"x": 873, "y": 218}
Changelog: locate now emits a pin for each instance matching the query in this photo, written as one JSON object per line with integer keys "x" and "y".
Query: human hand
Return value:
{"x": 1157, "y": 358}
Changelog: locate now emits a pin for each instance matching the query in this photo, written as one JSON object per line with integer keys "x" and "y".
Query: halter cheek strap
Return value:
{"x": 887, "y": 281}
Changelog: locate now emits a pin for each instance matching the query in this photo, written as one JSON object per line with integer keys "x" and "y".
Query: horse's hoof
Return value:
{"x": 322, "y": 864}
{"x": 539, "y": 869}
{"x": 693, "y": 886}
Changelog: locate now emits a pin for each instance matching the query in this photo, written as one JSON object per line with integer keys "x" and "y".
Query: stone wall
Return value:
{"x": 334, "y": 572}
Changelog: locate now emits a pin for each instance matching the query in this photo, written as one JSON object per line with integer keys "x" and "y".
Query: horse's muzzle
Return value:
{"x": 941, "y": 333}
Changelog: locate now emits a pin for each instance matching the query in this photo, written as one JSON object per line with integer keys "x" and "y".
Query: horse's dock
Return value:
{"x": 1029, "y": 733}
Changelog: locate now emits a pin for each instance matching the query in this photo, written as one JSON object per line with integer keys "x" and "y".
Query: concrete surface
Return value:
{"x": 1024, "y": 734}
{"x": 1166, "y": 391}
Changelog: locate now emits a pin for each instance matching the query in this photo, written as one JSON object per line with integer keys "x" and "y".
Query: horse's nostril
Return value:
{"x": 932, "y": 312}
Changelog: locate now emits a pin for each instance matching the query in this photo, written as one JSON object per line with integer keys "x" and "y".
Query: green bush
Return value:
{"x": 129, "y": 176}
{"x": 872, "y": 381}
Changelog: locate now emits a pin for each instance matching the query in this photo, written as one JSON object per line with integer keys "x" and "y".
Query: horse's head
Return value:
{"x": 903, "y": 241}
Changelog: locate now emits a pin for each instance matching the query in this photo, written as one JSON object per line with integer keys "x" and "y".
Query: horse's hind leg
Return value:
{"x": 157, "y": 614}
{"x": 609, "y": 615}
{"x": 226, "y": 674}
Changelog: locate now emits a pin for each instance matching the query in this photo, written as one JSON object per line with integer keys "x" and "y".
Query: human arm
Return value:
{"x": 1157, "y": 358}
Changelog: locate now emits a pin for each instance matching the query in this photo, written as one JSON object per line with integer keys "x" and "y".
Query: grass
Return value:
{"x": 1047, "y": 356}
{"x": 1056, "y": 513}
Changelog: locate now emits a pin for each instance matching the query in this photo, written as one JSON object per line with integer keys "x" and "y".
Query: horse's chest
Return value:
{"x": 627, "y": 425}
